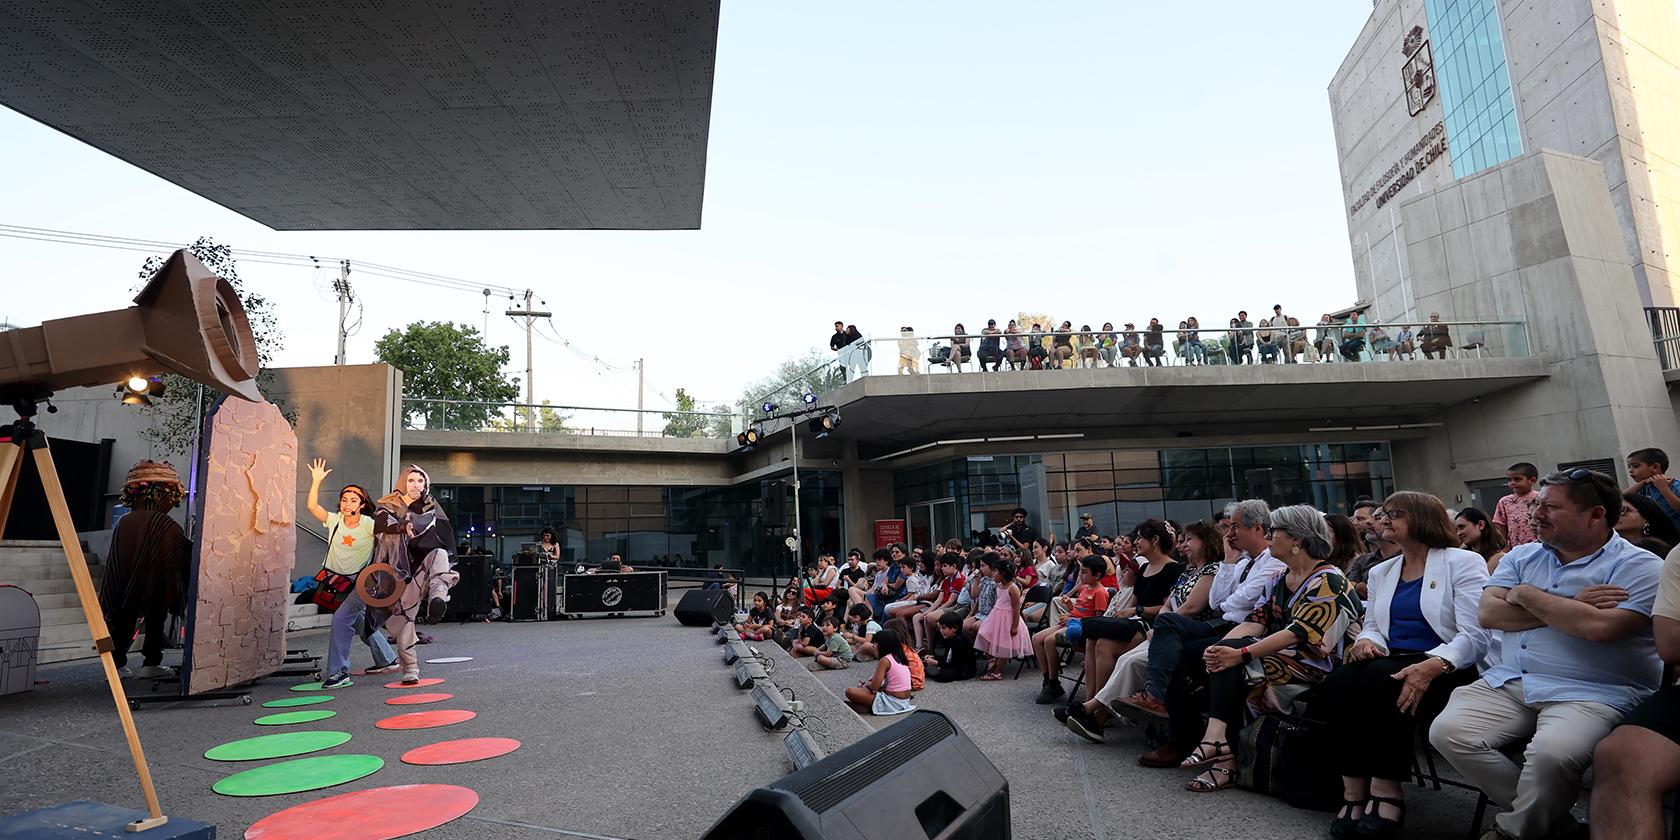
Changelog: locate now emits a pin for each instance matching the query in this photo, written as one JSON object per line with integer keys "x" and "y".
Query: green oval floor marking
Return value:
{"x": 314, "y": 686}
{"x": 304, "y": 716}
{"x": 298, "y": 775}
{"x": 285, "y": 702}
{"x": 276, "y": 746}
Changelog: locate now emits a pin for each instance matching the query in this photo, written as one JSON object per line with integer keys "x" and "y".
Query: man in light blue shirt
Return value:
{"x": 1578, "y": 654}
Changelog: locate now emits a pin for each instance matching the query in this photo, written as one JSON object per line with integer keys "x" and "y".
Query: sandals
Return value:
{"x": 1205, "y": 784}
{"x": 1200, "y": 758}
{"x": 1348, "y": 826}
{"x": 991, "y": 676}
{"x": 1372, "y": 825}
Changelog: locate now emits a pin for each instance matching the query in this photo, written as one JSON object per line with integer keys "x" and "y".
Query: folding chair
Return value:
{"x": 1038, "y": 594}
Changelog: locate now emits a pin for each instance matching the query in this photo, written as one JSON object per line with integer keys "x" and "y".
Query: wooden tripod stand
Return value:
{"x": 15, "y": 439}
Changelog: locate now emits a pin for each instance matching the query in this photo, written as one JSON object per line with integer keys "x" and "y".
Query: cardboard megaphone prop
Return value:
{"x": 186, "y": 321}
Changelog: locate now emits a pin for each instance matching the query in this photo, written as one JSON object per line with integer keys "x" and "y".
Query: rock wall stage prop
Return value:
{"x": 245, "y": 541}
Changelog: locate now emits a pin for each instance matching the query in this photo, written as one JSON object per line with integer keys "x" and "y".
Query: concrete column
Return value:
{"x": 866, "y": 495}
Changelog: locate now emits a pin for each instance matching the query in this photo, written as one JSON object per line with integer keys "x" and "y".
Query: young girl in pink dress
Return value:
{"x": 1004, "y": 635}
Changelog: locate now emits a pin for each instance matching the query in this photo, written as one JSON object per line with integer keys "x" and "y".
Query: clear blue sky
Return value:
{"x": 882, "y": 163}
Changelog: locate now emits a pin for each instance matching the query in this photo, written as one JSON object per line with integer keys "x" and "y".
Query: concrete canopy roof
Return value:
{"x": 381, "y": 114}
{"x": 889, "y": 413}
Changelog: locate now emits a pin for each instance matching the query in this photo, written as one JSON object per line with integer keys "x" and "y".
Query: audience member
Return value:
{"x": 1345, "y": 541}
{"x": 1013, "y": 348}
{"x": 1578, "y": 654}
{"x": 821, "y": 584}
{"x": 1365, "y": 522}
{"x": 957, "y": 663}
{"x": 1089, "y": 600}
{"x": 1154, "y": 343}
{"x": 1003, "y": 635}
{"x": 888, "y": 691}
{"x": 960, "y": 352}
{"x": 1239, "y": 341}
{"x": 1513, "y": 512}
{"x": 1648, "y": 468}
{"x": 1433, "y": 338}
{"x": 1477, "y": 533}
{"x": 983, "y": 591}
{"x": 920, "y": 588}
{"x": 908, "y": 354}
{"x": 991, "y": 351}
{"x": 809, "y": 640}
{"x": 1421, "y": 640}
{"x": 837, "y": 652}
{"x": 1195, "y": 352}
{"x": 1641, "y": 518}
{"x": 760, "y": 623}
{"x": 951, "y": 585}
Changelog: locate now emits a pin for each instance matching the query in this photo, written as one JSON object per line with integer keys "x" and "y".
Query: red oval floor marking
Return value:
{"x": 427, "y": 719}
{"x": 416, "y": 699}
{"x": 377, "y": 814}
{"x": 460, "y": 751}
{"x": 421, "y": 684}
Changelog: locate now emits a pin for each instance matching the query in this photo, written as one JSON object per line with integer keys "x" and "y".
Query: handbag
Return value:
{"x": 1286, "y": 756}
{"x": 331, "y": 588}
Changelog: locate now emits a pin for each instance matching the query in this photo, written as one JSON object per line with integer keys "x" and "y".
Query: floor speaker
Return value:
{"x": 701, "y": 607}
{"x": 920, "y": 777}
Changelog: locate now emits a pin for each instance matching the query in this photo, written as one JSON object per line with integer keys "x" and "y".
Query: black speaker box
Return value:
{"x": 775, "y": 504}
{"x": 471, "y": 596}
{"x": 920, "y": 777}
{"x": 701, "y": 607}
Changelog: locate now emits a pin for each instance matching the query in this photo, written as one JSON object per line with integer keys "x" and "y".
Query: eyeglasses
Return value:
{"x": 1389, "y": 514}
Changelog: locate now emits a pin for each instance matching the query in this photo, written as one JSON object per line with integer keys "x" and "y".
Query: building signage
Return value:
{"x": 888, "y": 531}
{"x": 1418, "y": 80}
{"x": 1418, "y": 73}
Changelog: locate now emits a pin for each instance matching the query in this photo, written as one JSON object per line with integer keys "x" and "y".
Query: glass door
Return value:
{"x": 927, "y": 523}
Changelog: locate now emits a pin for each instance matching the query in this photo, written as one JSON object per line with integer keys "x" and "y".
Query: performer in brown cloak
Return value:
{"x": 146, "y": 571}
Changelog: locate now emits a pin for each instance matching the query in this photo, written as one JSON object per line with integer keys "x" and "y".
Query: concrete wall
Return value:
{"x": 1374, "y": 130}
{"x": 1598, "y": 78}
{"x": 1536, "y": 239}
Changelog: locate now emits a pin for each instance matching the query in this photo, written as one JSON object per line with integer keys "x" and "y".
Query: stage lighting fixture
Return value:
{"x": 821, "y": 426}
{"x": 803, "y": 749}
{"x": 810, "y": 399}
{"x": 831, "y": 420}
{"x": 770, "y": 706}
{"x": 138, "y": 390}
{"x": 769, "y": 407}
{"x": 736, "y": 650}
{"x": 751, "y": 436}
{"x": 748, "y": 672}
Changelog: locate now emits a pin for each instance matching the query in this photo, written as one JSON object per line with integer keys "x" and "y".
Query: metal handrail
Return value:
{"x": 552, "y": 407}
{"x": 311, "y": 532}
{"x": 1215, "y": 330}
{"x": 1665, "y": 334}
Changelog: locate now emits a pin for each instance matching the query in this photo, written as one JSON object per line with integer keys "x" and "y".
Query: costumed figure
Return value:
{"x": 146, "y": 572}
{"x": 349, "y": 549}
{"x": 414, "y": 536}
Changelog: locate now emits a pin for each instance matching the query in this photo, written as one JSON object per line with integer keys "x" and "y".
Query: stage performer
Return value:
{"x": 349, "y": 548}
{"x": 146, "y": 571}
{"x": 414, "y": 536}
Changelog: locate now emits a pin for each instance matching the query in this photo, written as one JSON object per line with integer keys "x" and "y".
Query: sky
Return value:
{"x": 882, "y": 163}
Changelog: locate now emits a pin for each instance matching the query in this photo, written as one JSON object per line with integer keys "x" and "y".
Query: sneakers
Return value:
{"x": 383, "y": 669}
{"x": 434, "y": 611}
{"x": 411, "y": 678}
{"x": 337, "y": 681}
{"x": 125, "y": 672}
{"x": 152, "y": 672}
{"x": 1081, "y": 723}
{"x": 1051, "y": 692}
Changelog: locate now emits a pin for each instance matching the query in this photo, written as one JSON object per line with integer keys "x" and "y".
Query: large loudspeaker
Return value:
{"x": 701, "y": 607}
{"x": 775, "y": 504}
{"x": 528, "y": 595}
{"x": 471, "y": 596}
{"x": 920, "y": 777}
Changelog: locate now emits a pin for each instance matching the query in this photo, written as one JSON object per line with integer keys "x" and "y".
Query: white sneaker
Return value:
{"x": 125, "y": 672}
{"x": 152, "y": 672}
{"x": 411, "y": 679}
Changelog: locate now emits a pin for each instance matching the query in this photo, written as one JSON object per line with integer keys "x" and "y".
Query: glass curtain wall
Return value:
{"x": 1481, "y": 114}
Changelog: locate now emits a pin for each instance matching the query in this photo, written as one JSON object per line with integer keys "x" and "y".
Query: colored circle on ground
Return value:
{"x": 460, "y": 751}
{"x": 426, "y": 719}
{"x": 377, "y": 814}
{"x": 284, "y": 702}
{"x": 303, "y": 716}
{"x": 443, "y": 660}
{"x": 421, "y": 684}
{"x": 417, "y": 699}
{"x": 298, "y": 775}
{"x": 314, "y": 686}
{"x": 276, "y": 746}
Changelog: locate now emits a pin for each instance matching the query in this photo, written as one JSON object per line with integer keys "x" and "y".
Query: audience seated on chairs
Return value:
{"x": 1638, "y": 763}
{"x": 946, "y": 600}
{"x": 1175, "y": 650}
{"x": 890, "y": 583}
{"x": 1141, "y": 596}
{"x": 1192, "y": 595}
{"x": 1433, "y": 338}
{"x": 982, "y": 585}
{"x": 1642, "y": 518}
{"x": 991, "y": 347}
{"x": 1014, "y": 349}
{"x": 1577, "y": 655}
{"x": 920, "y": 588}
{"x": 1088, "y": 600}
{"x": 823, "y": 581}
{"x": 1296, "y": 637}
{"x": 1476, "y": 533}
{"x": 1422, "y": 638}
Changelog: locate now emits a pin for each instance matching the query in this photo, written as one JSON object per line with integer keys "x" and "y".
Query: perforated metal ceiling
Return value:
{"x": 385, "y": 114}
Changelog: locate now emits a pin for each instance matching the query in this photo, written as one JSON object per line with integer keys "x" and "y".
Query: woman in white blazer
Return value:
{"x": 1422, "y": 639}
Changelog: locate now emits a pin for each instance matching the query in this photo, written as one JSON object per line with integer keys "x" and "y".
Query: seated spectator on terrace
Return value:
{"x": 1061, "y": 346}
{"x": 1265, "y": 341}
{"x": 1239, "y": 340}
{"x": 909, "y": 354}
{"x": 1088, "y": 600}
{"x": 1085, "y": 346}
{"x": 1476, "y": 533}
{"x": 1434, "y": 338}
{"x": 1381, "y": 344}
{"x": 1154, "y": 343}
{"x": 1405, "y": 344}
{"x": 1195, "y": 351}
{"x": 960, "y": 352}
{"x": 1641, "y": 519}
{"x": 1421, "y": 640}
{"x": 823, "y": 583}
{"x": 991, "y": 347}
{"x": 1328, "y": 338}
{"x": 1190, "y": 596}
{"x": 1014, "y": 349}
{"x": 1638, "y": 763}
{"x": 1577, "y": 655}
{"x": 1131, "y": 346}
{"x": 1176, "y": 648}
{"x": 1353, "y": 336}
{"x": 1108, "y": 344}
{"x": 1296, "y": 637}
{"x": 1648, "y": 469}
{"x": 1297, "y": 344}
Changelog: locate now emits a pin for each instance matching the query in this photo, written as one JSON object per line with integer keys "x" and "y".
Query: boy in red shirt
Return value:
{"x": 1513, "y": 511}
{"x": 1088, "y": 599}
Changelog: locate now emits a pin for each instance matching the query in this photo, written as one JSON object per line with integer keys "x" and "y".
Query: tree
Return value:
{"x": 176, "y": 416}
{"x": 444, "y": 361}
{"x": 684, "y": 422}
{"x": 548, "y": 420}
{"x": 811, "y": 372}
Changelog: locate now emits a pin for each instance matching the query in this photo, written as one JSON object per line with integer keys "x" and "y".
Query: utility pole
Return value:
{"x": 641, "y": 375}
{"x": 530, "y": 317}
{"x": 486, "y": 315}
{"x": 342, "y": 286}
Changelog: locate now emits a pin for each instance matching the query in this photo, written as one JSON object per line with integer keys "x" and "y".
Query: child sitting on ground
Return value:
{"x": 958, "y": 661}
{"x": 810, "y": 640}
{"x": 860, "y": 631}
{"x": 837, "y": 654}
{"x": 760, "y": 621}
{"x": 918, "y": 671}
{"x": 888, "y": 691}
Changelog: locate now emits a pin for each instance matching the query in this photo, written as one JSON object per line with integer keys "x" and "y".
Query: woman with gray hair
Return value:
{"x": 1295, "y": 638}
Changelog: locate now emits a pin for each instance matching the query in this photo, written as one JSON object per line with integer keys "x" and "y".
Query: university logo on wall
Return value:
{"x": 1418, "y": 74}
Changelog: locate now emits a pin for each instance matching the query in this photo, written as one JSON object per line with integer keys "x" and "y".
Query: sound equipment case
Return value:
{"x": 605, "y": 594}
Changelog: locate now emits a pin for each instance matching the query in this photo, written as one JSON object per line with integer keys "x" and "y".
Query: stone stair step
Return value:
{"x": 40, "y": 587}
{"x": 38, "y": 568}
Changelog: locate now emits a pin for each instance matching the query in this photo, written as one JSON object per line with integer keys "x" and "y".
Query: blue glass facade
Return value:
{"x": 1475, "y": 88}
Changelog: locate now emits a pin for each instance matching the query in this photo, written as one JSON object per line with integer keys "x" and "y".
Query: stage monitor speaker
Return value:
{"x": 471, "y": 595}
{"x": 775, "y": 504}
{"x": 920, "y": 777}
{"x": 701, "y": 607}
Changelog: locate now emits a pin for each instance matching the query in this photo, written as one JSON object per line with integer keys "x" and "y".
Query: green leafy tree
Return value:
{"x": 547, "y": 420}
{"x": 685, "y": 422}
{"x": 444, "y": 361}
{"x": 176, "y": 416}
{"x": 811, "y": 372}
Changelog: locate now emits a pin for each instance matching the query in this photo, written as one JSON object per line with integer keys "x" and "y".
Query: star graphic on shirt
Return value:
{"x": 349, "y": 541}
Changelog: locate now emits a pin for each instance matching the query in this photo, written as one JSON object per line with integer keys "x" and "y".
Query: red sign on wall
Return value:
{"x": 888, "y": 531}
